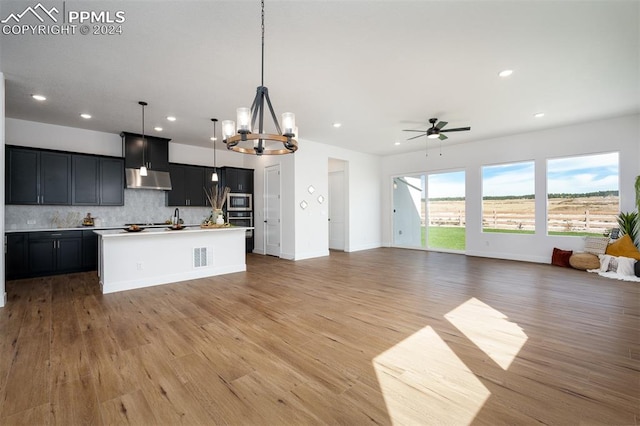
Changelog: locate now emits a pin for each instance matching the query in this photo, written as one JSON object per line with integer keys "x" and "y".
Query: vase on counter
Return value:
{"x": 218, "y": 216}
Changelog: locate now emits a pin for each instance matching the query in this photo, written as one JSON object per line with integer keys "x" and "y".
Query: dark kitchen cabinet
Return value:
{"x": 85, "y": 173}
{"x": 97, "y": 181}
{"x": 34, "y": 254}
{"x": 154, "y": 151}
{"x": 111, "y": 182}
{"x": 21, "y": 176}
{"x": 55, "y": 178}
{"x": 54, "y": 252}
{"x": 187, "y": 184}
{"x": 238, "y": 180}
{"x": 16, "y": 258}
{"x": 37, "y": 177}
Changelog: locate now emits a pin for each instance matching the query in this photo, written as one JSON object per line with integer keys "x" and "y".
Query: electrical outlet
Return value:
{"x": 139, "y": 266}
{"x": 31, "y": 222}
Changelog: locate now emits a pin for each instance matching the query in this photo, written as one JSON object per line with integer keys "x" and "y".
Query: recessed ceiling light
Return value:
{"x": 336, "y": 125}
{"x": 397, "y": 143}
{"x": 39, "y": 97}
{"x": 538, "y": 114}
{"x": 171, "y": 118}
{"x": 505, "y": 73}
{"x": 157, "y": 129}
{"x": 85, "y": 116}
{"x": 213, "y": 138}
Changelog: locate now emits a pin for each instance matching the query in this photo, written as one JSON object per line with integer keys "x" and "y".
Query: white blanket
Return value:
{"x": 615, "y": 275}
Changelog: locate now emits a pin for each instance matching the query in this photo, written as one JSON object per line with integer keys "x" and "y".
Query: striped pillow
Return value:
{"x": 596, "y": 245}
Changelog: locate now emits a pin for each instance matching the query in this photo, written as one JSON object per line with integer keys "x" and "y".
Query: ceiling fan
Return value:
{"x": 435, "y": 132}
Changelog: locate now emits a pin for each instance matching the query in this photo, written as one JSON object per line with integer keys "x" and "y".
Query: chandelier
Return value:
{"x": 243, "y": 135}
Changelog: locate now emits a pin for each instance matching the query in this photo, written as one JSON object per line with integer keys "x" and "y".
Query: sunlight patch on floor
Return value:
{"x": 489, "y": 329}
{"x": 424, "y": 382}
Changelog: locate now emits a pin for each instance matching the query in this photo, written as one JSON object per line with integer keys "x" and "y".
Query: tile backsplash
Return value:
{"x": 140, "y": 206}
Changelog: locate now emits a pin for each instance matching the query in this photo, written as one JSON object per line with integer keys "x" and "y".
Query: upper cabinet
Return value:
{"x": 97, "y": 181}
{"x": 37, "y": 177}
{"x": 188, "y": 183}
{"x": 238, "y": 180}
{"x": 153, "y": 151}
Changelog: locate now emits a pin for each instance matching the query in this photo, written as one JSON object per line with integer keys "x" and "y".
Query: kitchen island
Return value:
{"x": 154, "y": 256}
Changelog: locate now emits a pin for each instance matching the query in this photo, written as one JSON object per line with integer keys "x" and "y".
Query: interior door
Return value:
{"x": 272, "y": 210}
{"x": 336, "y": 210}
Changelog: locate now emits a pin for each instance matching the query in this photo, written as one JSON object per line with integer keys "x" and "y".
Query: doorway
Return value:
{"x": 337, "y": 205}
{"x": 272, "y": 210}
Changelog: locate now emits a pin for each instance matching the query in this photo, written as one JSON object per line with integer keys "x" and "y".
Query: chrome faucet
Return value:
{"x": 176, "y": 216}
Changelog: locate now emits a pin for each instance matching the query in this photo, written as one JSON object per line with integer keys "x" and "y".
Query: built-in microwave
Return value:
{"x": 239, "y": 202}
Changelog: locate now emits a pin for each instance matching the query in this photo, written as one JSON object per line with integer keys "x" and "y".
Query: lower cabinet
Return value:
{"x": 34, "y": 254}
{"x": 16, "y": 259}
{"x": 54, "y": 252}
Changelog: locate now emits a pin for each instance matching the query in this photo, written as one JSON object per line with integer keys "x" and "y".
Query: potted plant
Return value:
{"x": 628, "y": 223}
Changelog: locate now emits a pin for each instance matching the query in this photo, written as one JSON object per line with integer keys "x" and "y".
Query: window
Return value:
{"x": 508, "y": 198}
{"x": 446, "y": 209}
{"x": 582, "y": 194}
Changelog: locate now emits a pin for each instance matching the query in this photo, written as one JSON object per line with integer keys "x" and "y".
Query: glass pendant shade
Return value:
{"x": 288, "y": 123}
{"x": 143, "y": 171}
{"x": 228, "y": 129}
{"x": 243, "y": 118}
{"x": 214, "y": 176}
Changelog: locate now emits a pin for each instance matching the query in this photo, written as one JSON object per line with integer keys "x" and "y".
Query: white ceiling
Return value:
{"x": 375, "y": 66}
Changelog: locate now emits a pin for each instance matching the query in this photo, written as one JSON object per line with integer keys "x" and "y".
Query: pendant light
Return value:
{"x": 143, "y": 168}
{"x": 214, "y": 175}
{"x": 235, "y": 136}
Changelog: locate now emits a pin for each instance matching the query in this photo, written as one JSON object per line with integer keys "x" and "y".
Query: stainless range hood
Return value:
{"x": 154, "y": 180}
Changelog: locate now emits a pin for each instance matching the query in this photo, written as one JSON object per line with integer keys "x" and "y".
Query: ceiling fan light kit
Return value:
{"x": 436, "y": 130}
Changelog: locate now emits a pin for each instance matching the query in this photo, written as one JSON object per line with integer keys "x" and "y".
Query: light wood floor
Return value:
{"x": 383, "y": 336}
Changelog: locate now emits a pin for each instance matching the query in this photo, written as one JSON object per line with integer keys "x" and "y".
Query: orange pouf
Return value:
{"x": 584, "y": 261}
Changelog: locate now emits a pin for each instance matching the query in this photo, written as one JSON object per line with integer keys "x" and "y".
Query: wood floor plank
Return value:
{"x": 128, "y": 409}
{"x": 75, "y": 403}
{"x": 384, "y": 336}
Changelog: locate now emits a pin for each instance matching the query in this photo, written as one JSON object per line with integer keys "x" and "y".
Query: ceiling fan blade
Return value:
{"x": 441, "y": 124}
{"x": 419, "y": 136}
{"x": 459, "y": 129}
{"x": 442, "y": 137}
{"x": 412, "y": 130}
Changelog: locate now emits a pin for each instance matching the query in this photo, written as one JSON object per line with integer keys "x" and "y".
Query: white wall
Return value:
{"x": 50, "y": 136}
{"x": 620, "y": 134}
{"x": 305, "y": 233}
{"x": 362, "y": 178}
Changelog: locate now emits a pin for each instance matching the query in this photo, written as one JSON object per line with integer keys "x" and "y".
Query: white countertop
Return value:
{"x": 88, "y": 228}
{"x": 164, "y": 230}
